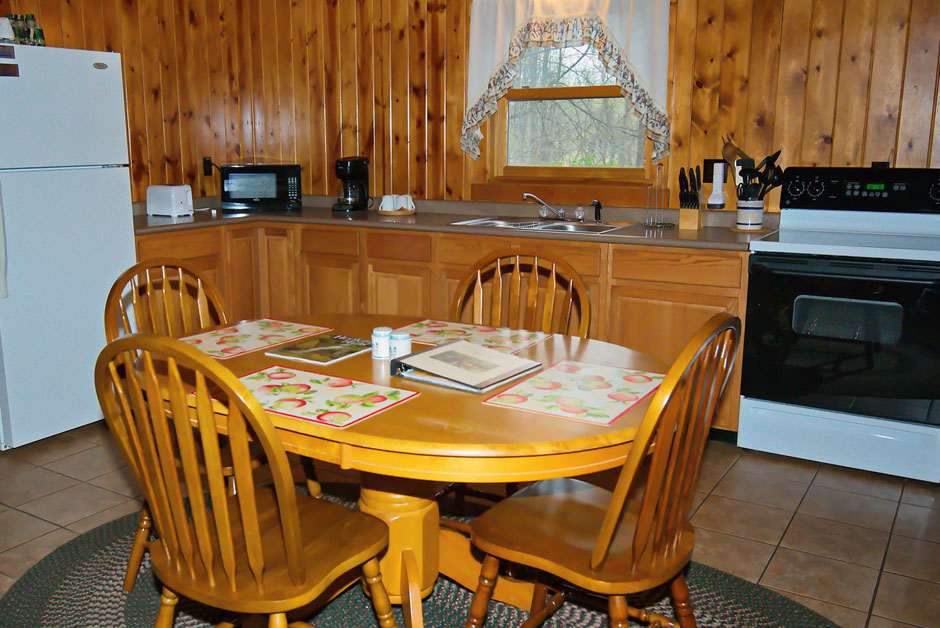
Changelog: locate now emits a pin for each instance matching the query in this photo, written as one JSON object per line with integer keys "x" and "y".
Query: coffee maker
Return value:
{"x": 354, "y": 173}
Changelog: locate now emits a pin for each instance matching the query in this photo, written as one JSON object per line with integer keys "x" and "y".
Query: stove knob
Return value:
{"x": 795, "y": 188}
{"x": 816, "y": 188}
{"x": 935, "y": 192}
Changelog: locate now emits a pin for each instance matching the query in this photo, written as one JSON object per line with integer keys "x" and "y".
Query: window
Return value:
{"x": 565, "y": 122}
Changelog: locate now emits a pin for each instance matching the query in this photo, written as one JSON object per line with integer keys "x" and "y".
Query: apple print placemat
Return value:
{"x": 250, "y": 335}
{"x": 500, "y": 338}
{"x": 333, "y": 401}
{"x": 592, "y": 393}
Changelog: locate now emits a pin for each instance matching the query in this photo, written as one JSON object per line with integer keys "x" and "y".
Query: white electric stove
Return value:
{"x": 842, "y": 332}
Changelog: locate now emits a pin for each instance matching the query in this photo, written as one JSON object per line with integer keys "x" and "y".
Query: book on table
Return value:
{"x": 462, "y": 365}
{"x": 322, "y": 349}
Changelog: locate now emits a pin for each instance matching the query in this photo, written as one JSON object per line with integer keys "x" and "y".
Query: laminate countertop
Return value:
{"x": 627, "y": 232}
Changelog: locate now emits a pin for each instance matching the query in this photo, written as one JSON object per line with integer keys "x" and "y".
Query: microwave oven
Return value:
{"x": 263, "y": 187}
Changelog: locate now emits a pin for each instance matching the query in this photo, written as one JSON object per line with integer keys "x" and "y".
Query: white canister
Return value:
{"x": 381, "y": 343}
{"x": 750, "y": 215}
{"x": 400, "y": 343}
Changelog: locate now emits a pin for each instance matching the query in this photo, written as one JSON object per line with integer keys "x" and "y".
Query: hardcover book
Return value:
{"x": 322, "y": 349}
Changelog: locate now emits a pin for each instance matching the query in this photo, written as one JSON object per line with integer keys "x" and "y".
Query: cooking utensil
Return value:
{"x": 698, "y": 186}
{"x": 693, "y": 189}
{"x": 728, "y": 150}
{"x": 775, "y": 179}
{"x": 769, "y": 161}
{"x": 683, "y": 189}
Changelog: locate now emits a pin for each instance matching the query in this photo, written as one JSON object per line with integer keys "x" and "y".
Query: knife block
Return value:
{"x": 690, "y": 219}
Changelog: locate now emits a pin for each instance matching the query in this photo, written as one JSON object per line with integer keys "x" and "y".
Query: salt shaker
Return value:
{"x": 400, "y": 343}
{"x": 381, "y": 343}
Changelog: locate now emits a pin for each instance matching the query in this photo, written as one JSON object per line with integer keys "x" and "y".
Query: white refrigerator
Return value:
{"x": 67, "y": 232}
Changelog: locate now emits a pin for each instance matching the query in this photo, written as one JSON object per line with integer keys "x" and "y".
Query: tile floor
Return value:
{"x": 860, "y": 548}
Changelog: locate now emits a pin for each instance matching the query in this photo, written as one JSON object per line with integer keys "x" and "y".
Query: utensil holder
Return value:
{"x": 750, "y": 215}
{"x": 690, "y": 219}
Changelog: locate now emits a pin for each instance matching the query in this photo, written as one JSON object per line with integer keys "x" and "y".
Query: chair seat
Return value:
{"x": 335, "y": 540}
{"x": 552, "y": 525}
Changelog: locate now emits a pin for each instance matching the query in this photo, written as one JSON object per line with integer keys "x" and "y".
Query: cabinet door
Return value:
{"x": 330, "y": 284}
{"x": 277, "y": 264}
{"x": 200, "y": 248}
{"x": 398, "y": 288}
{"x": 241, "y": 266}
{"x": 660, "y": 319}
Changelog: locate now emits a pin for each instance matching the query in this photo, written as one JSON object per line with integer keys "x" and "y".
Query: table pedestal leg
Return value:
{"x": 412, "y": 515}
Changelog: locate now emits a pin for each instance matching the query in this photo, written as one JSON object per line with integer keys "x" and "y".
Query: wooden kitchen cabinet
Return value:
{"x": 398, "y": 273}
{"x": 329, "y": 270}
{"x": 201, "y": 248}
{"x": 241, "y": 263}
{"x": 277, "y": 271}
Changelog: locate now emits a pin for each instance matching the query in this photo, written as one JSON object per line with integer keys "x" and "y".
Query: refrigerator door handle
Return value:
{"x": 3, "y": 251}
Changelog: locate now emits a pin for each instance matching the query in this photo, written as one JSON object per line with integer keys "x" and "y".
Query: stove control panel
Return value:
{"x": 907, "y": 190}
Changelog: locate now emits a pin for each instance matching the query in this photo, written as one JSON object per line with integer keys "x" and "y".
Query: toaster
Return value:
{"x": 169, "y": 200}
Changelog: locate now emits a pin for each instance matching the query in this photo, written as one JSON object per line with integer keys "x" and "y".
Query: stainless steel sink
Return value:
{"x": 577, "y": 227}
{"x": 550, "y": 226}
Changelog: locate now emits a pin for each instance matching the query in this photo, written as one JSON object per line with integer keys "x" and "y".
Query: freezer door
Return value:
{"x": 69, "y": 235}
{"x": 65, "y": 108}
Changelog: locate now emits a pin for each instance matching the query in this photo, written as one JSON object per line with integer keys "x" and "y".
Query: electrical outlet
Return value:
{"x": 207, "y": 166}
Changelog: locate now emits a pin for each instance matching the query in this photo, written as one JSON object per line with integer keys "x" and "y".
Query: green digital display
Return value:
{"x": 874, "y": 186}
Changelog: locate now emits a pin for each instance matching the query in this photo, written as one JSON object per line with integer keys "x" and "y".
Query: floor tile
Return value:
{"x": 767, "y": 490}
{"x": 105, "y": 516}
{"x": 90, "y": 463}
{"x": 14, "y": 562}
{"x": 919, "y": 493}
{"x": 120, "y": 481}
{"x": 18, "y": 527}
{"x": 10, "y": 465}
{"x": 741, "y": 557}
{"x": 843, "y": 616}
{"x": 821, "y": 578}
{"x": 96, "y": 432}
{"x": 72, "y": 504}
{"x": 913, "y": 557}
{"x": 778, "y": 466}
{"x": 32, "y": 484}
{"x": 708, "y": 477}
{"x": 721, "y": 454}
{"x": 881, "y": 622}
{"x": 917, "y": 522}
{"x": 5, "y": 583}
{"x": 908, "y": 600}
{"x": 834, "y": 539}
{"x": 744, "y": 519}
{"x": 697, "y": 498}
{"x": 857, "y": 481}
{"x": 854, "y": 508}
{"x": 50, "y": 449}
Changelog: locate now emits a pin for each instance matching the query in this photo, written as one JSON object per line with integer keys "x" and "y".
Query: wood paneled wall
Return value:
{"x": 830, "y": 82}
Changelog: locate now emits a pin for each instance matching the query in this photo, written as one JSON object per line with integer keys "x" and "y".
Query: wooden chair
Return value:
{"x": 162, "y": 296}
{"x": 637, "y": 537}
{"x": 265, "y": 549}
{"x": 520, "y": 289}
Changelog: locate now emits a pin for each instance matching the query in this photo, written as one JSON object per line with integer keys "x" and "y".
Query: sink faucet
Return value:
{"x": 557, "y": 213}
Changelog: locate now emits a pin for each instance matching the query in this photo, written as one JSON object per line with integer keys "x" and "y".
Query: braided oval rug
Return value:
{"x": 79, "y": 585}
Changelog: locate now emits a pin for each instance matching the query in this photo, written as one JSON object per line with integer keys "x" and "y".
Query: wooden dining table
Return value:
{"x": 446, "y": 435}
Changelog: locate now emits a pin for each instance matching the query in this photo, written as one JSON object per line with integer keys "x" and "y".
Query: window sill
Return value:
{"x": 571, "y": 192}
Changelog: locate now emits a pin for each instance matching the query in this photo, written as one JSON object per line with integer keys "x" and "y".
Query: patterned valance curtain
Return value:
{"x": 631, "y": 38}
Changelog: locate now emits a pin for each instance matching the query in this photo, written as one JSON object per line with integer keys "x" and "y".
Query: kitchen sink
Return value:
{"x": 550, "y": 226}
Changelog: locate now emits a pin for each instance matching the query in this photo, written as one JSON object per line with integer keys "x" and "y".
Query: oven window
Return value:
{"x": 860, "y": 337}
{"x": 251, "y": 185}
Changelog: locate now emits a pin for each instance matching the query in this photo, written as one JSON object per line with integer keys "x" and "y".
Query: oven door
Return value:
{"x": 836, "y": 338}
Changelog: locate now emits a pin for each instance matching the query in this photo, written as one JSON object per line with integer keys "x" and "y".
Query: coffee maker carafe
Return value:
{"x": 354, "y": 174}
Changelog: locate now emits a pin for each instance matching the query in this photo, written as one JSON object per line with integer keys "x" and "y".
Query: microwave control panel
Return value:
{"x": 907, "y": 190}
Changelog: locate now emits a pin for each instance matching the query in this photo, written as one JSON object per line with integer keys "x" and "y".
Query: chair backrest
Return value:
{"x": 166, "y": 402}
{"x": 522, "y": 289}
{"x": 668, "y": 448}
{"x": 162, "y": 296}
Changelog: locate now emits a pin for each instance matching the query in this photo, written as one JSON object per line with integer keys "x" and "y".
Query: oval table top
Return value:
{"x": 450, "y": 435}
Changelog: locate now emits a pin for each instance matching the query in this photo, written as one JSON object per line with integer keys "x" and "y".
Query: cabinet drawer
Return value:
{"x": 329, "y": 241}
{"x": 182, "y": 244}
{"x": 466, "y": 250}
{"x": 586, "y": 258}
{"x": 406, "y": 247}
{"x": 688, "y": 266}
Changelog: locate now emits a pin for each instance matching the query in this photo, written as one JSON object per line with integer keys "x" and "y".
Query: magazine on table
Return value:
{"x": 322, "y": 349}
{"x": 462, "y": 365}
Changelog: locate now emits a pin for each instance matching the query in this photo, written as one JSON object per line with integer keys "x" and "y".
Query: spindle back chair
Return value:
{"x": 264, "y": 549}
{"x": 163, "y": 296}
{"x": 523, "y": 289}
{"x": 638, "y": 536}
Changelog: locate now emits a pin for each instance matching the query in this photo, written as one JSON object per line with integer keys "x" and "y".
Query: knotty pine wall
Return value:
{"x": 830, "y": 82}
